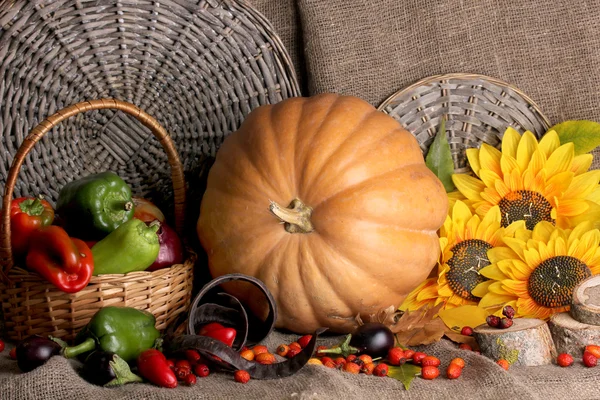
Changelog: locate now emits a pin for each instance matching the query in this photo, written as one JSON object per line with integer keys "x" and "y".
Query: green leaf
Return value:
{"x": 585, "y": 135}
{"x": 439, "y": 158}
{"x": 405, "y": 373}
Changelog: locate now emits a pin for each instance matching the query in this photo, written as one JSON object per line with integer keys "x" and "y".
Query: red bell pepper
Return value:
{"x": 219, "y": 332}
{"x": 153, "y": 366}
{"x": 27, "y": 214}
{"x": 65, "y": 262}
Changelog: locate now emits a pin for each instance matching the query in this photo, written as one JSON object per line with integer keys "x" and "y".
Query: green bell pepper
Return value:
{"x": 93, "y": 206}
{"x": 125, "y": 331}
{"x": 133, "y": 246}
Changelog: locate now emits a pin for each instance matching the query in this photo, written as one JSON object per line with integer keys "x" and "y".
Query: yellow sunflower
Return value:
{"x": 531, "y": 181}
{"x": 538, "y": 270}
{"x": 464, "y": 239}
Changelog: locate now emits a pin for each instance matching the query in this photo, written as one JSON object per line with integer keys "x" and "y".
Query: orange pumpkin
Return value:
{"x": 329, "y": 202}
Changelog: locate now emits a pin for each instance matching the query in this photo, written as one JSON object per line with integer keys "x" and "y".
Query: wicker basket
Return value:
{"x": 31, "y": 305}
{"x": 478, "y": 110}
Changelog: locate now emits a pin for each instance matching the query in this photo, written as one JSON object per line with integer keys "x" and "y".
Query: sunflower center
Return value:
{"x": 552, "y": 282}
{"x": 525, "y": 205}
{"x": 468, "y": 257}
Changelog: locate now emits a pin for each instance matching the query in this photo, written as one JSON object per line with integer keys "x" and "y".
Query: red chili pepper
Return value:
{"x": 65, "y": 262}
{"x": 219, "y": 332}
{"x": 27, "y": 214}
{"x": 153, "y": 365}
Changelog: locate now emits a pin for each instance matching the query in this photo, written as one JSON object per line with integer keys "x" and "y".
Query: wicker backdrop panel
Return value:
{"x": 199, "y": 67}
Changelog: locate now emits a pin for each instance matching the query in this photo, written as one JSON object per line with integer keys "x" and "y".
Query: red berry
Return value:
{"x": 368, "y": 368}
{"x": 493, "y": 321}
{"x": 325, "y": 359}
{"x": 430, "y": 361}
{"x": 458, "y": 361}
{"x": 465, "y": 346}
{"x": 241, "y": 376}
{"x": 453, "y": 371}
{"x": 595, "y": 350}
{"x": 202, "y": 370}
{"x": 351, "y": 358}
{"x": 329, "y": 363}
{"x": 381, "y": 370}
{"x": 183, "y": 364}
{"x": 396, "y": 356}
{"x": 318, "y": 353}
{"x": 418, "y": 357}
{"x": 466, "y": 330}
{"x": 2, "y": 345}
{"x": 293, "y": 352}
{"x": 430, "y": 372}
{"x": 503, "y": 363}
{"x": 303, "y": 341}
{"x": 508, "y": 312}
{"x": 13, "y": 353}
{"x": 589, "y": 360}
{"x": 295, "y": 345}
{"x": 505, "y": 323}
{"x": 564, "y": 360}
{"x": 181, "y": 373}
{"x": 171, "y": 363}
{"x": 340, "y": 361}
{"x": 192, "y": 356}
{"x": 190, "y": 380}
{"x": 408, "y": 353}
{"x": 365, "y": 358}
{"x": 351, "y": 367}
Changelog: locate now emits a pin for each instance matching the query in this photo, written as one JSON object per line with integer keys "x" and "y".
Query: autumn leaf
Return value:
{"x": 465, "y": 315}
{"x": 405, "y": 373}
{"x": 418, "y": 327}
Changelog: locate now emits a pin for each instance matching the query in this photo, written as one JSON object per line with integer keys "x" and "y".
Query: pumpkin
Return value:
{"x": 327, "y": 201}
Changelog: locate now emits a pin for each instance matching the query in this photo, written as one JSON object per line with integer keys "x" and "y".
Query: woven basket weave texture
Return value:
{"x": 478, "y": 110}
{"x": 199, "y": 67}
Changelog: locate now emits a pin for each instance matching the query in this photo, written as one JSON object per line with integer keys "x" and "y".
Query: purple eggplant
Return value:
{"x": 171, "y": 248}
{"x": 34, "y": 351}
{"x": 372, "y": 338}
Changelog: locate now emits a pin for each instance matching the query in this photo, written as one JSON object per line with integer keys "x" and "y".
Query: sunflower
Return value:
{"x": 531, "y": 181}
{"x": 464, "y": 239}
{"x": 538, "y": 270}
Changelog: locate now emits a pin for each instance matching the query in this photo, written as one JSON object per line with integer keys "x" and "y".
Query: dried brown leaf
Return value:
{"x": 458, "y": 338}
{"x": 421, "y": 326}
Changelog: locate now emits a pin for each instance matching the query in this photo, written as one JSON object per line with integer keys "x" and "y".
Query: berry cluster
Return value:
{"x": 188, "y": 368}
{"x": 590, "y": 357}
{"x": 503, "y": 323}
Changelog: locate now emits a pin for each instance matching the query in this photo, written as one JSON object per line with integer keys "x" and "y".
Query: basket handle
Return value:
{"x": 6, "y": 259}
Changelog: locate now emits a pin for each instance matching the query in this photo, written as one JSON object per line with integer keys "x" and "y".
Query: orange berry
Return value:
{"x": 304, "y": 340}
{"x": 430, "y": 361}
{"x": 564, "y": 360}
{"x": 351, "y": 358}
{"x": 381, "y": 370}
{"x": 314, "y": 361}
{"x": 325, "y": 359}
{"x": 247, "y": 354}
{"x": 329, "y": 364}
{"x": 503, "y": 363}
{"x": 340, "y": 361}
{"x": 365, "y": 358}
{"x": 265, "y": 358}
{"x": 465, "y": 346}
{"x": 282, "y": 350}
{"x": 351, "y": 367}
{"x": 589, "y": 359}
{"x": 260, "y": 349}
{"x": 368, "y": 368}
{"x": 594, "y": 349}
{"x": 241, "y": 376}
{"x": 458, "y": 361}
{"x": 293, "y": 353}
{"x": 430, "y": 372}
{"x": 453, "y": 371}
{"x": 408, "y": 353}
{"x": 295, "y": 345}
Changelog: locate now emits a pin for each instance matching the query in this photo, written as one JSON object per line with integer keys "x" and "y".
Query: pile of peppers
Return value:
{"x": 100, "y": 228}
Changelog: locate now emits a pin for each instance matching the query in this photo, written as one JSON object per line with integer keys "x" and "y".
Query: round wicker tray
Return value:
{"x": 199, "y": 67}
{"x": 478, "y": 109}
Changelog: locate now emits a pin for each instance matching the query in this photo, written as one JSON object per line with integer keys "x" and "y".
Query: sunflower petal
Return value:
{"x": 481, "y": 289}
{"x": 488, "y": 177}
{"x": 549, "y": 143}
{"x": 510, "y": 142}
{"x": 500, "y": 253}
{"x": 470, "y": 187}
{"x": 582, "y": 163}
{"x": 558, "y": 184}
{"x": 527, "y": 146}
{"x": 508, "y": 165}
{"x": 473, "y": 158}
{"x": 489, "y": 158}
{"x": 572, "y": 208}
{"x": 493, "y": 300}
{"x": 561, "y": 159}
{"x": 583, "y": 185}
{"x": 537, "y": 162}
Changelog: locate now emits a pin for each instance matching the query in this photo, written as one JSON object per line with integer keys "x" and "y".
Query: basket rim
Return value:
{"x": 465, "y": 76}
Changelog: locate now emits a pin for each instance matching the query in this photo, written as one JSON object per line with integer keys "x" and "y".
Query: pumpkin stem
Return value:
{"x": 296, "y": 216}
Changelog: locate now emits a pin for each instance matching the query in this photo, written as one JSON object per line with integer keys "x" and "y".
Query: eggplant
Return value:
{"x": 34, "y": 351}
{"x": 372, "y": 338}
{"x": 171, "y": 249}
{"x": 104, "y": 368}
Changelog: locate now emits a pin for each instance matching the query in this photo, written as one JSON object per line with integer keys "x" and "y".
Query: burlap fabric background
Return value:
{"x": 371, "y": 48}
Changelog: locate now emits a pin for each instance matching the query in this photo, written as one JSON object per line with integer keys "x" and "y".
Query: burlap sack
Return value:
{"x": 371, "y": 48}
{"x": 481, "y": 379}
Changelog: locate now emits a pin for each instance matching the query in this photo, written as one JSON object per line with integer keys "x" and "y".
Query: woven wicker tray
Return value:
{"x": 478, "y": 109}
{"x": 199, "y": 67}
